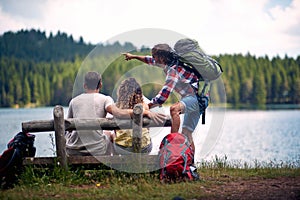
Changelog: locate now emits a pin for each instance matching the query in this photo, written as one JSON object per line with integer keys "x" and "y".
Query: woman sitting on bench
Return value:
{"x": 128, "y": 95}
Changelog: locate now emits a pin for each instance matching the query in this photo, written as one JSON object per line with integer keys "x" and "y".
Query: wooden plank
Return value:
{"x": 38, "y": 126}
{"x": 116, "y": 159}
{"x": 96, "y": 124}
{"x": 39, "y": 161}
{"x": 82, "y": 160}
{"x": 88, "y": 124}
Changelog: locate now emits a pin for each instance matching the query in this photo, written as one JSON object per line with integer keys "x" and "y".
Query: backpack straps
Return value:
{"x": 204, "y": 88}
{"x": 202, "y": 94}
{"x": 202, "y": 99}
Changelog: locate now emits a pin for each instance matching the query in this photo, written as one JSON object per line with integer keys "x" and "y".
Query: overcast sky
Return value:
{"x": 261, "y": 27}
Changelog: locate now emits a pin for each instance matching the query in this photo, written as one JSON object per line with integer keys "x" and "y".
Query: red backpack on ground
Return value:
{"x": 176, "y": 158}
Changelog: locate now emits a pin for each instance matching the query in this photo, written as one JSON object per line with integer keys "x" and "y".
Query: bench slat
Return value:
{"x": 116, "y": 159}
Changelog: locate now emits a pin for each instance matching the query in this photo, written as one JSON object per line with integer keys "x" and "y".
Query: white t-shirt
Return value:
{"x": 88, "y": 106}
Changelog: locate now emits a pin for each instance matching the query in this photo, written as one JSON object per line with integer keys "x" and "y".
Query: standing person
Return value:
{"x": 128, "y": 95}
{"x": 179, "y": 79}
{"x": 93, "y": 104}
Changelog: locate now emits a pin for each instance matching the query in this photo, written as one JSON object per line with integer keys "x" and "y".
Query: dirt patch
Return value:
{"x": 257, "y": 188}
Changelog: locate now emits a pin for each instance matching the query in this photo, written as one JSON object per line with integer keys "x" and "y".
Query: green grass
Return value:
{"x": 79, "y": 183}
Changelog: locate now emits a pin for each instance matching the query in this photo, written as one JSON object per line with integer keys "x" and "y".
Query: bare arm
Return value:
{"x": 158, "y": 118}
{"x": 129, "y": 56}
{"x": 119, "y": 113}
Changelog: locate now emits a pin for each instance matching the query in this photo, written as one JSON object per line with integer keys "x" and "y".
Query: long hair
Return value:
{"x": 129, "y": 94}
{"x": 165, "y": 52}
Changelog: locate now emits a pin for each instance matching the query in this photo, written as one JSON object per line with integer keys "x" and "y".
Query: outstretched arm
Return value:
{"x": 129, "y": 56}
{"x": 146, "y": 59}
{"x": 119, "y": 113}
{"x": 158, "y": 118}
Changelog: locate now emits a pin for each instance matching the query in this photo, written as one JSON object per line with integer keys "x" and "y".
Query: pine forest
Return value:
{"x": 39, "y": 70}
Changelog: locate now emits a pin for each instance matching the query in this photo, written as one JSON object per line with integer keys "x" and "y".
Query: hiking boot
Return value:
{"x": 194, "y": 173}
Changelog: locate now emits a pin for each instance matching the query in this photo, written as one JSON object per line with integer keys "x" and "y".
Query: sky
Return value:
{"x": 258, "y": 27}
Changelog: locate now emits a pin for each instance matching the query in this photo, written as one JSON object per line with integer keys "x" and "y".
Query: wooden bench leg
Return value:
{"x": 137, "y": 128}
{"x": 59, "y": 128}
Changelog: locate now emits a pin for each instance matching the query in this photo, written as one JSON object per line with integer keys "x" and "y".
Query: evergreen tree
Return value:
{"x": 259, "y": 91}
{"x": 295, "y": 91}
{"x": 26, "y": 92}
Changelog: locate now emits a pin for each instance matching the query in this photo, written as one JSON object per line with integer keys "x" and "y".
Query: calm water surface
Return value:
{"x": 272, "y": 135}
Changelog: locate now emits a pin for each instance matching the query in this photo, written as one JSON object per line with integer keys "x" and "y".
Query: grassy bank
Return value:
{"x": 219, "y": 179}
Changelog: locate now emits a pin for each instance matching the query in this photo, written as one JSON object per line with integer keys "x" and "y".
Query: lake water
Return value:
{"x": 245, "y": 136}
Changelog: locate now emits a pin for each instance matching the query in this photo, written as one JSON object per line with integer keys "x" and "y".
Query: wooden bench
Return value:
{"x": 59, "y": 125}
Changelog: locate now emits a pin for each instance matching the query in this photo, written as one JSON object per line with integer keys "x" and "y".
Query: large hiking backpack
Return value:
{"x": 176, "y": 158}
{"x": 190, "y": 53}
{"x": 21, "y": 146}
{"x": 205, "y": 67}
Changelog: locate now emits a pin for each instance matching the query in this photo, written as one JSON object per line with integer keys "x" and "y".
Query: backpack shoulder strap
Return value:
{"x": 203, "y": 99}
{"x": 206, "y": 83}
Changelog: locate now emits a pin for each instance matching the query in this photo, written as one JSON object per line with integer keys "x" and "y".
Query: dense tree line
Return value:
{"x": 259, "y": 81}
{"x": 34, "y": 45}
{"x": 44, "y": 83}
{"x": 40, "y": 71}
